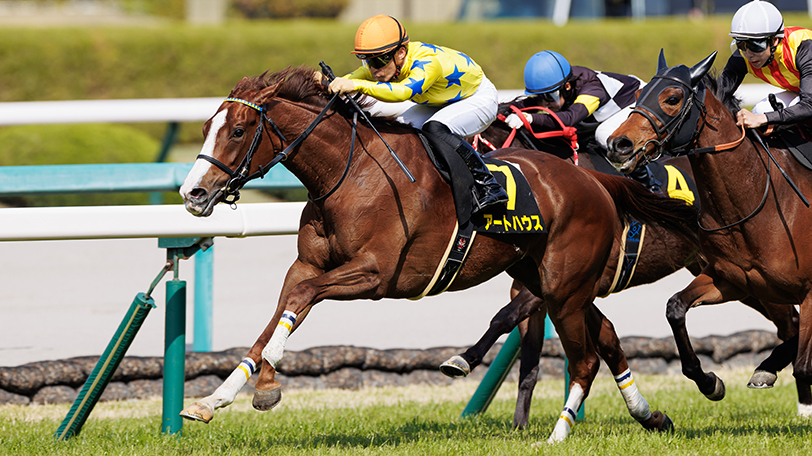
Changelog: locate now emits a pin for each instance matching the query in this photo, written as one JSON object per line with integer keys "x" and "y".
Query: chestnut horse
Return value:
{"x": 367, "y": 232}
{"x": 756, "y": 241}
{"x": 663, "y": 252}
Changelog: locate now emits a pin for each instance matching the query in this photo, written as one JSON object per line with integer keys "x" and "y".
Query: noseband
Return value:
{"x": 241, "y": 177}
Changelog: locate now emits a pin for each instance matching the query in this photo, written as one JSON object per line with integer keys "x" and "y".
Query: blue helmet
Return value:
{"x": 545, "y": 71}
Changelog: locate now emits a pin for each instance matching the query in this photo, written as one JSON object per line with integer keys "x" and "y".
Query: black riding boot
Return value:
{"x": 489, "y": 192}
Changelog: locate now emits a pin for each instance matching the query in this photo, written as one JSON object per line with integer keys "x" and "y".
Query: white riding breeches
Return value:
{"x": 465, "y": 117}
{"x": 785, "y": 98}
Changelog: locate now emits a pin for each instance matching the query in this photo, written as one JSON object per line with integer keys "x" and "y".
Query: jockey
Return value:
{"x": 449, "y": 95}
{"x": 582, "y": 98}
{"x": 780, "y": 56}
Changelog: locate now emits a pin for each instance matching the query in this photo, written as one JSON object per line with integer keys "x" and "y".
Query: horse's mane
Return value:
{"x": 730, "y": 101}
{"x": 298, "y": 84}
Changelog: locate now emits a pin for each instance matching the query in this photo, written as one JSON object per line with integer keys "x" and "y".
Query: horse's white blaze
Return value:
{"x": 201, "y": 167}
{"x": 568, "y": 415}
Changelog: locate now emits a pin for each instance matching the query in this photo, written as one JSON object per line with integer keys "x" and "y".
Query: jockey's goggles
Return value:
{"x": 757, "y": 46}
{"x": 550, "y": 97}
{"x": 377, "y": 61}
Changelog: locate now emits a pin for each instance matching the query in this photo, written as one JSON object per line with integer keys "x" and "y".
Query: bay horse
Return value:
{"x": 367, "y": 232}
{"x": 663, "y": 252}
{"x": 757, "y": 243}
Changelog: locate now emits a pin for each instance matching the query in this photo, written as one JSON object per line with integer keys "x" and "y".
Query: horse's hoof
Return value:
{"x": 456, "y": 366}
{"x": 805, "y": 410}
{"x": 659, "y": 422}
{"x": 762, "y": 379}
{"x": 266, "y": 400}
{"x": 718, "y": 389}
{"x": 198, "y": 412}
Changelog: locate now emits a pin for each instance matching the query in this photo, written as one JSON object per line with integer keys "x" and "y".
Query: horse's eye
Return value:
{"x": 238, "y": 133}
{"x": 673, "y": 101}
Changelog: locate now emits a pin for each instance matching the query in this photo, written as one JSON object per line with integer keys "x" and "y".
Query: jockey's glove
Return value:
{"x": 342, "y": 86}
{"x": 514, "y": 121}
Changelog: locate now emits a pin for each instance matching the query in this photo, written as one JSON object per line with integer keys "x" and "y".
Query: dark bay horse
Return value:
{"x": 369, "y": 233}
{"x": 754, "y": 227}
{"x": 663, "y": 252}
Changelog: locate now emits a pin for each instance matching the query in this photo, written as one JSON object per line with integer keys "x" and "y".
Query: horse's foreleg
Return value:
{"x": 351, "y": 280}
{"x": 703, "y": 290}
{"x": 608, "y": 346}
{"x": 224, "y": 395}
{"x": 519, "y": 308}
{"x": 532, "y": 332}
{"x": 803, "y": 362}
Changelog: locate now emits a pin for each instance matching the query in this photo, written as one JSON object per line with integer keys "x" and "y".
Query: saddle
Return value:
{"x": 520, "y": 215}
{"x": 794, "y": 138}
{"x": 795, "y": 141}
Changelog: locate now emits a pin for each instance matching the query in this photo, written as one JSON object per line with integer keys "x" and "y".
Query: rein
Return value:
{"x": 568, "y": 133}
{"x": 241, "y": 177}
{"x": 670, "y": 129}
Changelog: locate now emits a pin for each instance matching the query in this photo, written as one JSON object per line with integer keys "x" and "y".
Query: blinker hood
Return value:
{"x": 680, "y": 128}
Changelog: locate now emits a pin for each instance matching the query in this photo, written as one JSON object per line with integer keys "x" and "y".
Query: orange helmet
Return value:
{"x": 379, "y": 34}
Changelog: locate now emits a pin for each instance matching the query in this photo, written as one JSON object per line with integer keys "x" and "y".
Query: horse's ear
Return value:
{"x": 700, "y": 69}
{"x": 661, "y": 65}
{"x": 268, "y": 92}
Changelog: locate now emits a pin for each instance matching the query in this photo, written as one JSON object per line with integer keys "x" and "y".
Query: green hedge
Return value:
{"x": 173, "y": 59}
{"x": 75, "y": 144}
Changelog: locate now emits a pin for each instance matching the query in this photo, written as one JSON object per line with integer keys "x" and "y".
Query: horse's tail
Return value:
{"x": 633, "y": 199}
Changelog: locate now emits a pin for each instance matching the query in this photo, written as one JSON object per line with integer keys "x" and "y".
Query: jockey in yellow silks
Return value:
{"x": 777, "y": 55}
{"x": 435, "y": 88}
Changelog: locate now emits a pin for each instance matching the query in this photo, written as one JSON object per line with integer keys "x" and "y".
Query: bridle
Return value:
{"x": 683, "y": 128}
{"x": 240, "y": 177}
{"x": 673, "y": 127}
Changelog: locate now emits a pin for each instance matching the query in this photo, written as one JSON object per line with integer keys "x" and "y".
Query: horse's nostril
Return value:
{"x": 622, "y": 145}
{"x": 197, "y": 193}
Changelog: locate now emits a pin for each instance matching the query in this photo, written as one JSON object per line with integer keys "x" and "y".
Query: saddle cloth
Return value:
{"x": 519, "y": 215}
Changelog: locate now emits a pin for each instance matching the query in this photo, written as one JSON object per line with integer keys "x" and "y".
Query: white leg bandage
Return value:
{"x": 276, "y": 346}
{"x": 225, "y": 393}
{"x": 567, "y": 418}
{"x": 637, "y": 405}
{"x": 804, "y": 410}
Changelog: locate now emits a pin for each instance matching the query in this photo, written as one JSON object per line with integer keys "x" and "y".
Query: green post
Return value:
{"x": 174, "y": 356}
{"x": 100, "y": 377}
{"x": 497, "y": 371}
{"x": 170, "y": 136}
{"x": 203, "y": 306}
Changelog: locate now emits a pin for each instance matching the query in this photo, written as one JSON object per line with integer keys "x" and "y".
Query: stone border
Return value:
{"x": 349, "y": 367}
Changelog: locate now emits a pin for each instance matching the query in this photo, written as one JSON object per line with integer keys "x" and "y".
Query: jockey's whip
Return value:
{"x": 328, "y": 72}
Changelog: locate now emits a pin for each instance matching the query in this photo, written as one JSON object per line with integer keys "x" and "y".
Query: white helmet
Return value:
{"x": 757, "y": 19}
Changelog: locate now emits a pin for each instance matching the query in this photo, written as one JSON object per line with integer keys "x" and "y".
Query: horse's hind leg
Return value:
{"x": 608, "y": 346}
{"x": 703, "y": 290}
{"x": 519, "y": 308}
{"x": 571, "y": 326}
{"x": 532, "y": 332}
